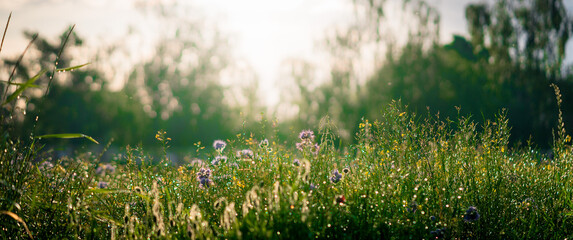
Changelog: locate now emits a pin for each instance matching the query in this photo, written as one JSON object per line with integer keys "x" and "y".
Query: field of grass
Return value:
{"x": 406, "y": 178}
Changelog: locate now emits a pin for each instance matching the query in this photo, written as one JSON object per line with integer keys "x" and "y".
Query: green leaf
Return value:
{"x": 68, "y": 135}
{"x": 24, "y": 86}
{"x": 71, "y": 68}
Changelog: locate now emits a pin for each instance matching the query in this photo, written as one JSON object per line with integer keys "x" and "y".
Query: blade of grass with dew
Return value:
{"x": 68, "y": 135}
{"x": 27, "y": 84}
{"x": 71, "y": 68}
{"x": 19, "y": 219}
{"x": 18, "y": 84}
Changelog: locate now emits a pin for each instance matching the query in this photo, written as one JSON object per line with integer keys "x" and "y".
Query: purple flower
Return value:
{"x": 106, "y": 168}
{"x": 197, "y": 163}
{"x": 315, "y": 149}
{"x": 336, "y": 176}
{"x": 219, "y": 145}
{"x": 45, "y": 166}
{"x": 312, "y": 186}
{"x": 102, "y": 184}
{"x": 219, "y": 159}
{"x": 264, "y": 143}
{"x": 412, "y": 207}
{"x": 299, "y": 146}
{"x": 245, "y": 154}
{"x": 204, "y": 182}
{"x": 296, "y": 162}
{"x": 203, "y": 177}
{"x": 471, "y": 215}
{"x": 306, "y": 135}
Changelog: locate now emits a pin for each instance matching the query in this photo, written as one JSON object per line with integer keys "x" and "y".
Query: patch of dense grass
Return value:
{"x": 406, "y": 178}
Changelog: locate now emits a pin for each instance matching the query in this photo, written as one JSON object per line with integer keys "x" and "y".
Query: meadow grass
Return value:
{"x": 406, "y": 178}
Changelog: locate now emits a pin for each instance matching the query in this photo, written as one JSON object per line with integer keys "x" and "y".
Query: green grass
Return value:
{"x": 407, "y": 177}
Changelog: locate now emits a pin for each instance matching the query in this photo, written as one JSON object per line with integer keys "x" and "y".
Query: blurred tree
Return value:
{"x": 77, "y": 102}
{"x": 515, "y": 53}
{"x": 525, "y": 44}
{"x": 355, "y": 50}
{"x": 180, "y": 87}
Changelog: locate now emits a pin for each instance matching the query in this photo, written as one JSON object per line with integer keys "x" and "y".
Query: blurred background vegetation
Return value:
{"x": 514, "y": 51}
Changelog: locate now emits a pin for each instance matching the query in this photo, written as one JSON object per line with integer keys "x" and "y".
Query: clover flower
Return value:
{"x": 336, "y": 176}
{"x": 219, "y": 145}
{"x": 471, "y": 215}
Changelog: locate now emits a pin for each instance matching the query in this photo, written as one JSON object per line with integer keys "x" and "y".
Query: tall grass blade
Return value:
{"x": 18, "y": 62}
{"x": 71, "y": 68}
{"x": 5, "y": 30}
{"x": 19, "y": 84}
{"x": 27, "y": 84}
{"x": 58, "y": 59}
{"x": 68, "y": 135}
{"x": 20, "y": 220}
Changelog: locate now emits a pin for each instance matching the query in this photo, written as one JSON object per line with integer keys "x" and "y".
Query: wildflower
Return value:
{"x": 346, "y": 170}
{"x": 336, "y": 176}
{"x": 299, "y": 146}
{"x": 219, "y": 159}
{"x": 102, "y": 184}
{"x": 471, "y": 215}
{"x": 312, "y": 187}
{"x": 296, "y": 162}
{"x": 106, "y": 168}
{"x": 264, "y": 143}
{"x": 306, "y": 135}
{"x": 412, "y": 207}
{"x": 315, "y": 149}
{"x": 245, "y": 154}
{"x": 219, "y": 145}
{"x": 438, "y": 233}
{"x": 197, "y": 163}
{"x": 203, "y": 177}
{"x": 44, "y": 166}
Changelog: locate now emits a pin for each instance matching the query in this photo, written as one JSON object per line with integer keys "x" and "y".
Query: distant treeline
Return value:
{"x": 514, "y": 52}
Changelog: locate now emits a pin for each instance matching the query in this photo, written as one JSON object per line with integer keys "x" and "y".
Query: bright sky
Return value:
{"x": 264, "y": 32}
